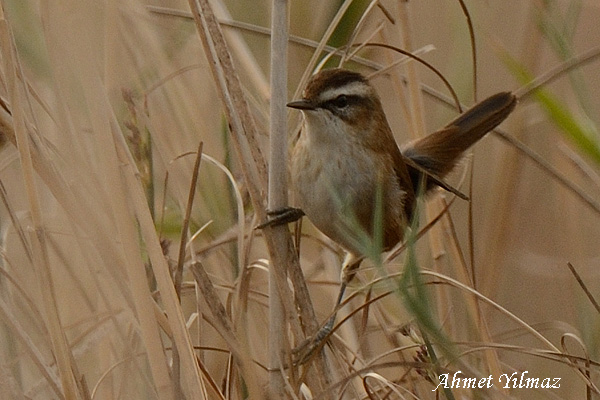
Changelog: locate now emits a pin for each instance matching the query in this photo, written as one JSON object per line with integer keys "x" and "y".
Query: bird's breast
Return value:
{"x": 336, "y": 186}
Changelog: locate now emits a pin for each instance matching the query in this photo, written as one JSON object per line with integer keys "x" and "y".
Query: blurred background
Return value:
{"x": 97, "y": 73}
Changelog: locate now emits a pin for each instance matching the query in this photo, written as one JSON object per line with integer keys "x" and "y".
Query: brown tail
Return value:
{"x": 439, "y": 152}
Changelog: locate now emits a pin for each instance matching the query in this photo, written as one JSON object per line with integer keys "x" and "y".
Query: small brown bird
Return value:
{"x": 346, "y": 158}
{"x": 346, "y": 154}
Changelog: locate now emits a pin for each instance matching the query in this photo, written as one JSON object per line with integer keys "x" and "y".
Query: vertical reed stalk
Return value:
{"x": 277, "y": 197}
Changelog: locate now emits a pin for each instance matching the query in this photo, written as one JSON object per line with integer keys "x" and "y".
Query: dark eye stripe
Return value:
{"x": 334, "y": 104}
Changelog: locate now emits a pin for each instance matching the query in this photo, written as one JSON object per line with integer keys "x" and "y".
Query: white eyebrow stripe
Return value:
{"x": 352, "y": 89}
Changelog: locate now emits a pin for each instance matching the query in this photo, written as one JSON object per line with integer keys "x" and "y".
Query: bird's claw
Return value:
{"x": 282, "y": 216}
{"x": 302, "y": 353}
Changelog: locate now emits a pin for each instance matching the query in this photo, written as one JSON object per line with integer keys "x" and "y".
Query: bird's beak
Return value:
{"x": 301, "y": 105}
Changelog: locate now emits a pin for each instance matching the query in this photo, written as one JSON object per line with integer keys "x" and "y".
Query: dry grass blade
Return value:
{"x": 426, "y": 64}
{"x": 178, "y": 275}
{"x": 380, "y": 384}
{"x": 128, "y": 203}
{"x": 547, "y": 343}
{"x": 583, "y": 286}
{"x": 211, "y": 381}
{"x": 34, "y": 353}
{"x": 322, "y": 43}
{"x": 483, "y": 298}
{"x": 543, "y": 80}
{"x": 224, "y": 327}
{"x": 38, "y": 234}
{"x": 585, "y": 371}
{"x": 416, "y": 117}
{"x": 474, "y": 307}
{"x": 15, "y": 222}
{"x": 186, "y": 222}
{"x": 266, "y": 32}
{"x": 550, "y": 170}
{"x": 240, "y": 120}
{"x": 467, "y": 14}
{"x": 192, "y": 377}
{"x": 358, "y": 27}
{"x": 401, "y": 61}
{"x": 79, "y": 208}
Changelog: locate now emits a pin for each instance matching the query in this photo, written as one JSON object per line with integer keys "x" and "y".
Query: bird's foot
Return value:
{"x": 303, "y": 352}
{"x": 282, "y": 216}
{"x": 307, "y": 348}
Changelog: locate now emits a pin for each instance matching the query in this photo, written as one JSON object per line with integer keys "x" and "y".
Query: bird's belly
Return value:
{"x": 337, "y": 192}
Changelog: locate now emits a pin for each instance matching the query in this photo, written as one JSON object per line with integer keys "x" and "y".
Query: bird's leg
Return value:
{"x": 282, "y": 216}
{"x": 303, "y": 352}
{"x": 307, "y": 348}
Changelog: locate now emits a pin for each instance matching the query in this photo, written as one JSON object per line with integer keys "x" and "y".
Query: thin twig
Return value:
{"x": 358, "y": 27}
{"x": 317, "y": 53}
{"x": 465, "y": 11}
{"x": 556, "y": 72}
{"x": 15, "y": 223}
{"x": 549, "y": 169}
{"x": 587, "y": 292}
{"x": 178, "y": 276}
{"x": 266, "y": 32}
{"x": 426, "y": 64}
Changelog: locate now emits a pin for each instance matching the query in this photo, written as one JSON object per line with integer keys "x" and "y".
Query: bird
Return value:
{"x": 347, "y": 169}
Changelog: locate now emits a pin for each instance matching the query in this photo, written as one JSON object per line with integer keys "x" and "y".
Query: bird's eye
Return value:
{"x": 341, "y": 101}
